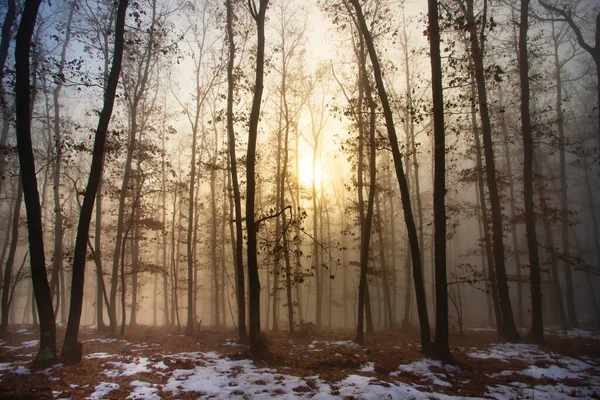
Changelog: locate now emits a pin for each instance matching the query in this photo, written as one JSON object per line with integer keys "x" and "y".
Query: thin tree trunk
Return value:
{"x": 537, "y": 329}
{"x": 508, "y": 328}
{"x": 7, "y": 280}
{"x": 564, "y": 207}
{"x": 5, "y": 40}
{"x": 513, "y": 212}
{"x": 239, "y": 242}
{"x": 47, "y": 349}
{"x": 556, "y": 299}
{"x": 441, "y": 345}
{"x": 385, "y": 276}
{"x": 213, "y": 231}
{"x": 404, "y": 190}
{"x": 366, "y": 220}
{"x": 57, "y": 261}
{"x": 71, "y": 351}
{"x": 491, "y": 276}
{"x": 257, "y": 344}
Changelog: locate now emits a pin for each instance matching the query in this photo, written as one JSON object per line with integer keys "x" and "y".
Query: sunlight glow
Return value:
{"x": 306, "y": 172}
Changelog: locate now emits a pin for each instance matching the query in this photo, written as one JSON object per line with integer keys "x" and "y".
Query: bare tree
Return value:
{"x": 404, "y": 190}
{"x": 72, "y": 349}
{"x": 47, "y": 349}
{"x": 257, "y": 343}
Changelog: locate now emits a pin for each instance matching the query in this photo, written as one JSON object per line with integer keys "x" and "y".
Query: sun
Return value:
{"x": 306, "y": 174}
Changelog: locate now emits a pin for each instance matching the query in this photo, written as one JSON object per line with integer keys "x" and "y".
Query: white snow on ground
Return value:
{"x": 325, "y": 343}
{"x": 128, "y": 369}
{"x": 143, "y": 390}
{"x": 30, "y": 343}
{"x": 5, "y": 366}
{"x": 211, "y": 375}
{"x": 579, "y": 333}
{"x": 222, "y": 378}
{"x": 362, "y": 387}
{"x": 423, "y": 368}
{"x": 542, "y": 365}
{"x": 233, "y": 343}
{"x": 100, "y": 355}
{"x": 368, "y": 367}
{"x": 21, "y": 370}
{"x": 507, "y": 351}
{"x": 102, "y": 389}
{"x": 106, "y": 340}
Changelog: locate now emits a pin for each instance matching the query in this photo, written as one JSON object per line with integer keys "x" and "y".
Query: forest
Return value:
{"x": 247, "y": 177}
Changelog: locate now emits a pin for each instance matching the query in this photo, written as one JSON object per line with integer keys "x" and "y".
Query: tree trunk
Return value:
{"x": 72, "y": 350}
{"x": 57, "y": 261}
{"x": 213, "y": 231}
{"x": 7, "y": 280}
{"x": 509, "y": 329}
{"x": 385, "y": 276}
{"x": 5, "y": 40}
{"x": 404, "y": 190}
{"x": 47, "y": 349}
{"x": 366, "y": 220}
{"x": 491, "y": 276}
{"x": 239, "y": 241}
{"x": 564, "y": 207}
{"x": 513, "y": 211}
{"x": 556, "y": 299}
{"x": 441, "y": 348}
{"x": 257, "y": 343}
{"x": 537, "y": 329}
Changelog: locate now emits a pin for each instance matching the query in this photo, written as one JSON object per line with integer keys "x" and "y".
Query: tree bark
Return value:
{"x": 385, "y": 275}
{"x": 441, "y": 347}
{"x": 404, "y": 190}
{"x": 239, "y": 239}
{"x": 57, "y": 260}
{"x": 257, "y": 343}
{"x": 47, "y": 349}
{"x": 537, "y": 329}
{"x": 564, "y": 205}
{"x": 491, "y": 276}
{"x": 509, "y": 329}
{"x": 7, "y": 280}
{"x": 5, "y": 39}
{"x": 513, "y": 210}
{"x": 366, "y": 219}
{"x": 72, "y": 350}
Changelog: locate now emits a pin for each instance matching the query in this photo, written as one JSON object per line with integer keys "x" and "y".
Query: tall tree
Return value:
{"x": 239, "y": 238}
{"x": 135, "y": 82}
{"x": 404, "y": 190}
{"x": 366, "y": 220}
{"x": 508, "y": 328}
{"x": 72, "y": 349}
{"x": 257, "y": 343}
{"x": 10, "y": 259}
{"x": 5, "y": 40}
{"x": 565, "y": 12}
{"x": 537, "y": 329}
{"x": 47, "y": 349}
{"x": 57, "y": 261}
{"x": 441, "y": 348}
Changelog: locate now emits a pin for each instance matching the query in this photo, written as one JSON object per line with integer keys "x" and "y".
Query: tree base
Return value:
{"x": 46, "y": 356}
{"x": 259, "y": 346}
{"x": 72, "y": 354}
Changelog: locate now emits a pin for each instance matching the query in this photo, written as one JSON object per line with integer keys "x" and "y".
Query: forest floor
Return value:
{"x": 156, "y": 363}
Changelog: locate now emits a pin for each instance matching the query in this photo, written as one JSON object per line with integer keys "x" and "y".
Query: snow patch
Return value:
{"x": 102, "y": 389}
{"x": 143, "y": 390}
